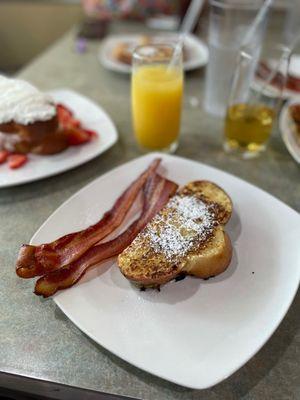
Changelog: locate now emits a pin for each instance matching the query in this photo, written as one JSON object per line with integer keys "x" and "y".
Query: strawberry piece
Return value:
{"x": 92, "y": 134}
{"x": 63, "y": 112}
{"x": 65, "y": 117}
{"x": 74, "y": 123}
{"x": 17, "y": 160}
{"x": 71, "y": 123}
{"x": 75, "y": 133}
{"x": 3, "y": 156}
{"x": 77, "y": 136}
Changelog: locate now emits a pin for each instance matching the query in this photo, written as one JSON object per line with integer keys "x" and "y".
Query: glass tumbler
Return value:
{"x": 229, "y": 21}
{"x": 254, "y": 104}
{"x": 156, "y": 96}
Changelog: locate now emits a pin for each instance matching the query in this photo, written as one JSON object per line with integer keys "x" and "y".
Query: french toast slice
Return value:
{"x": 210, "y": 192}
{"x": 186, "y": 237}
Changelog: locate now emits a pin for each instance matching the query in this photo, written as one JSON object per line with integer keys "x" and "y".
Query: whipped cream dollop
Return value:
{"x": 23, "y": 103}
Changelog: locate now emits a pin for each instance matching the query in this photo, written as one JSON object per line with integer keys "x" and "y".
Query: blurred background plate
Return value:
{"x": 289, "y": 131}
{"x": 197, "y": 51}
{"x": 292, "y": 88}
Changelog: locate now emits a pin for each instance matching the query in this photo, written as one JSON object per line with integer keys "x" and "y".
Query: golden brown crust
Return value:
{"x": 38, "y": 130}
{"x": 122, "y": 53}
{"x": 52, "y": 144}
{"x": 211, "y": 192}
{"x": 40, "y": 137}
{"x": 8, "y": 127}
{"x": 213, "y": 262}
{"x": 145, "y": 266}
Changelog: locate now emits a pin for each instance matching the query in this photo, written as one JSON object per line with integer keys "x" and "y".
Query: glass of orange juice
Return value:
{"x": 156, "y": 95}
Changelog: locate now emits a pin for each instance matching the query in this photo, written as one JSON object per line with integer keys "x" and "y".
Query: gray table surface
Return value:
{"x": 36, "y": 339}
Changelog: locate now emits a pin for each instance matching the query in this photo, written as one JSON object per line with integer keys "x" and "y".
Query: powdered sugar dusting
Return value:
{"x": 188, "y": 221}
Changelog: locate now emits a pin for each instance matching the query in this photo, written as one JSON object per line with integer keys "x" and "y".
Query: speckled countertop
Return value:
{"x": 36, "y": 339}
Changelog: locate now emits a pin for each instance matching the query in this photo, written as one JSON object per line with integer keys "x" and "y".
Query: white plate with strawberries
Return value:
{"x": 16, "y": 169}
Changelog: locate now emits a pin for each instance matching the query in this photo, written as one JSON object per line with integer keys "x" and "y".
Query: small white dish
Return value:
{"x": 194, "y": 333}
{"x": 92, "y": 117}
{"x": 198, "y": 51}
{"x": 288, "y": 131}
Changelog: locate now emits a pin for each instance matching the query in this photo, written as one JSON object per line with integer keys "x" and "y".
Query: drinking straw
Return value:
{"x": 256, "y": 22}
{"x": 186, "y": 27}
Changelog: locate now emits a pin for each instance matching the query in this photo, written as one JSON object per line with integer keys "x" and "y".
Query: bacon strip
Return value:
{"x": 38, "y": 260}
{"x": 157, "y": 192}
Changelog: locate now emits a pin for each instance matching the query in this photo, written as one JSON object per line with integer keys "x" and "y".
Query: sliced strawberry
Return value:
{"x": 65, "y": 117}
{"x": 3, "y": 156}
{"x": 92, "y": 134}
{"x": 72, "y": 123}
{"x": 77, "y": 136}
{"x": 17, "y": 160}
{"x": 63, "y": 112}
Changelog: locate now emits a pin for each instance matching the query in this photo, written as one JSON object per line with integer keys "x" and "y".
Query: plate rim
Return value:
{"x": 162, "y": 376}
{"x": 114, "y": 139}
{"x": 125, "y": 69}
{"x": 162, "y": 155}
{"x": 285, "y": 131}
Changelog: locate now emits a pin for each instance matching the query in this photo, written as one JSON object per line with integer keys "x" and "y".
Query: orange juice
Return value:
{"x": 156, "y": 104}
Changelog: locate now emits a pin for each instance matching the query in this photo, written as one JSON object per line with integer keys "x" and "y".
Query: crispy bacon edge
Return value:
{"x": 37, "y": 260}
{"x": 157, "y": 192}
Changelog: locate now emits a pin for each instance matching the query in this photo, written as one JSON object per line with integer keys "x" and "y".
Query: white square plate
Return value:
{"x": 92, "y": 117}
{"x": 193, "y": 332}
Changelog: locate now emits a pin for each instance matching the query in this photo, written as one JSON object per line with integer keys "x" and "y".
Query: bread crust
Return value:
{"x": 144, "y": 266}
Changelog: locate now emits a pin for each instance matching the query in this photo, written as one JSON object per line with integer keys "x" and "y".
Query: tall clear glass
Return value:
{"x": 228, "y": 23}
{"x": 156, "y": 96}
{"x": 253, "y": 105}
{"x": 292, "y": 25}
